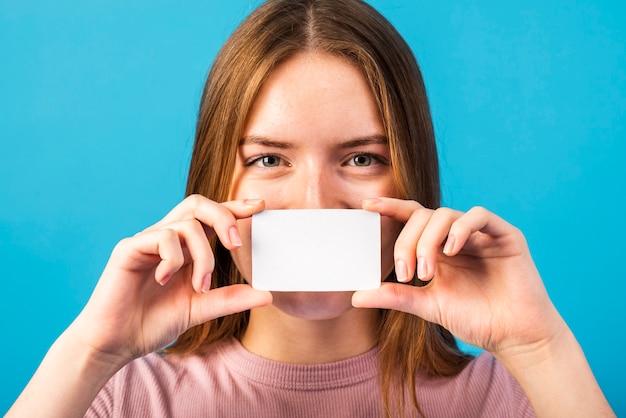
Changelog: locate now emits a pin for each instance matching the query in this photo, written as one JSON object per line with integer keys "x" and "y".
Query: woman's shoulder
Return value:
{"x": 192, "y": 367}
{"x": 484, "y": 386}
{"x": 152, "y": 382}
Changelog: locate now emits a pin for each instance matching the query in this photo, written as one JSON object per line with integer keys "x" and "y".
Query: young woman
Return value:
{"x": 316, "y": 104}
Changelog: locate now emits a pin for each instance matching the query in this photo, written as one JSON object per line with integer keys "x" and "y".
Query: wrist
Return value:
{"x": 555, "y": 375}
{"x": 527, "y": 355}
{"x": 68, "y": 379}
{"x": 99, "y": 361}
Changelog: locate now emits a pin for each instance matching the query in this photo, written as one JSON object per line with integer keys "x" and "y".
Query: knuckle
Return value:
{"x": 411, "y": 205}
{"x": 518, "y": 234}
{"x": 401, "y": 248}
{"x": 445, "y": 213}
{"x": 397, "y": 292}
{"x": 168, "y": 234}
{"x": 478, "y": 211}
{"x": 177, "y": 260}
{"x": 194, "y": 200}
{"x": 421, "y": 214}
{"x": 191, "y": 225}
{"x": 171, "y": 239}
{"x": 460, "y": 227}
{"x": 225, "y": 217}
{"x": 123, "y": 245}
{"x": 401, "y": 296}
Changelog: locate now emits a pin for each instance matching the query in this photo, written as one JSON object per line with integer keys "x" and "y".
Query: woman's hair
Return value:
{"x": 351, "y": 29}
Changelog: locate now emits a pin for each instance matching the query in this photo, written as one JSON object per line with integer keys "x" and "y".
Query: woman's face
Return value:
{"x": 314, "y": 139}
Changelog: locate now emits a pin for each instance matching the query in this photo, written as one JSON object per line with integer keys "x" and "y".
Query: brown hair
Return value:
{"x": 352, "y": 29}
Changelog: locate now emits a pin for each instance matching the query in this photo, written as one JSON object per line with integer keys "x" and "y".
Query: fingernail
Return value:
{"x": 165, "y": 279}
{"x": 206, "y": 283}
{"x": 371, "y": 201}
{"x": 422, "y": 268}
{"x": 449, "y": 244}
{"x": 402, "y": 273}
{"x": 233, "y": 235}
{"x": 252, "y": 201}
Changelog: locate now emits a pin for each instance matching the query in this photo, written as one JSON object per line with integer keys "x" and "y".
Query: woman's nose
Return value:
{"x": 317, "y": 188}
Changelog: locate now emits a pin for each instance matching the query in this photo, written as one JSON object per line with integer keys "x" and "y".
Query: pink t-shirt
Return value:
{"x": 232, "y": 382}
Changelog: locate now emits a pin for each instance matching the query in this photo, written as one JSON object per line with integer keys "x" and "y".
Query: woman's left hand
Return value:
{"x": 484, "y": 286}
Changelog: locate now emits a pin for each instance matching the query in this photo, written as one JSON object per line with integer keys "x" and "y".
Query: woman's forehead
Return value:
{"x": 314, "y": 95}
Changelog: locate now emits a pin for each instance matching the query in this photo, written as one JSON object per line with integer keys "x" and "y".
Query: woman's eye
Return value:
{"x": 266, "y": 161}
{"x": 270, "y": 161}
{"x": 362, "y": 160}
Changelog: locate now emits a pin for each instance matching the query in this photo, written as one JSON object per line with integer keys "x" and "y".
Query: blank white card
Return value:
{"x": 315, "y": 250}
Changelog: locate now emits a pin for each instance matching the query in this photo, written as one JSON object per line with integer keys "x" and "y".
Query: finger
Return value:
{"x": 406, "y": 244}
{"x": 404, "y": 211}
{"x": 431, "y": 240}
{"x": 196, "y": 244}
{"x": 154, "y": 249}
{"x": 199, "y": 207}
{"x": 477, "y": 219}
{"x": 397, "y": 209}
{"x": 224, "y": 220}
{"x": 221, "y": 217}
{"x": 227, "y": 300}
{"x": 244, "y": 208}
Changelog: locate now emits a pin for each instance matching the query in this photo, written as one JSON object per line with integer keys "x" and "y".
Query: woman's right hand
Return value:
{"x": 156, "y": 284}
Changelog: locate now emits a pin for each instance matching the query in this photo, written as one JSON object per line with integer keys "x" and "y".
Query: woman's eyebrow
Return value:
{"x": 350, "y": 143}
{"x": 261, "y": 140}
{"x": 366, "y": 140}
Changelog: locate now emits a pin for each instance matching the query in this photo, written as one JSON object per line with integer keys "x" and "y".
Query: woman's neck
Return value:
{"x": 276, "y": 335}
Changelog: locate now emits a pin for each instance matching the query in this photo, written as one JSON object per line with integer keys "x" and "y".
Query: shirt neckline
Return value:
{"x": 299, "y": 377}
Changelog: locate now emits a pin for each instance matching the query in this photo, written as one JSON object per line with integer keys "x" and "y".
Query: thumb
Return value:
{"x": 227, "y": 300}
{"x": 396, "y": 296}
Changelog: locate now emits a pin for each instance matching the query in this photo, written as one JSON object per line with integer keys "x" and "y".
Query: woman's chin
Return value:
{"x": 313, "y": 305}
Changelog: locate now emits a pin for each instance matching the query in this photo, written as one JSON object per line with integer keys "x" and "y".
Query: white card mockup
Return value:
{"x": 315, "y": 250}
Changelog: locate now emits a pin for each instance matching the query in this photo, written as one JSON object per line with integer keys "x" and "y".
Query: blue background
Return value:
{"x": 98, "y": 102}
